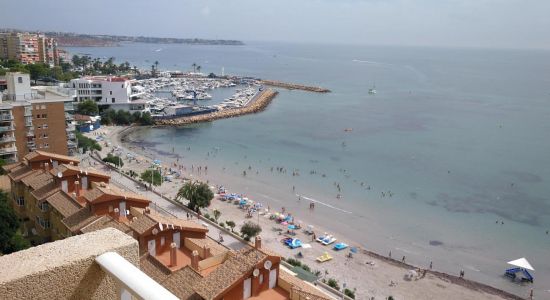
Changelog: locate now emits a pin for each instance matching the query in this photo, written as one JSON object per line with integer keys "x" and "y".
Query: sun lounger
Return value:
{"x": 340, "y": 246}
{"x": 329, "y": 240}
{"x": 324, "y": 257}
{"x": 323, "y": 237}
{"x": 295, "y": 243}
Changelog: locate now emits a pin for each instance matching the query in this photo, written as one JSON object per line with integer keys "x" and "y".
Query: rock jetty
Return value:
{"x": 258, "y": 104}
{"x": 293, "y": 86}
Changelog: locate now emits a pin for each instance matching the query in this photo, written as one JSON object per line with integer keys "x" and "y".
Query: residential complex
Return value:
{"x": 115, "y": 92}
{"x": 58, "y": 198}
{"x": 35, "y": 118}
{"x": 29, "y": 48}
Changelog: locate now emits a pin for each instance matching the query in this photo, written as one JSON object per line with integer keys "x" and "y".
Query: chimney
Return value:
{"x": 116, "y": 212}
{"x": 173, "y": 255}
{"x": 195, "y": 260}
{"x": 77, "y": 188}
{"x": 206, "y": 252}
{"x": 258, "y": 242}
{"x": 147, "y": 210}
{"x": 46, "y": 167}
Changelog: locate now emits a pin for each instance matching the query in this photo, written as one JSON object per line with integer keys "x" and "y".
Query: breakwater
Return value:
{"x": 259, "y": 103}
{"x": 293, "y": 86}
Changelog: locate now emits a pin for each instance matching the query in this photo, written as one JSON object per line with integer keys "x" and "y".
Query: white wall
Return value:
{"x": 18, "y": 89}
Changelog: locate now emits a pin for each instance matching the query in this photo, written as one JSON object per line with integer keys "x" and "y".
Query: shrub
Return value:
{"x": 86, "y": 143}
{"x": 306, "y": 267}
{"x": 222, "y": 224}
{"x": 207, "y": 215}
{"x": 294, "y": 262}
{"x": 231, "y": 224}
{"x": 349, "y": 293}
{"x": 156, "y": 177}
{"x": 250, "y": 229}
{"x": 114, "y": 159}
{"x": 333, "y": 283}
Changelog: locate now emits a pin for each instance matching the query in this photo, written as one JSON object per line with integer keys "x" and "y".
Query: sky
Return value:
{"x": 442, "y": 23}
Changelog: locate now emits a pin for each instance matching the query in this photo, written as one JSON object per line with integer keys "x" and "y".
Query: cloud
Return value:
{"x": 205, "y": 11}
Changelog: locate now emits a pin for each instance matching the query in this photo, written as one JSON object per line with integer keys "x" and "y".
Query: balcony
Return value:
{"x": 6, "y": 128}
{"x": 70, "y": 127}
{"x": 8, "y": 150}
{"x": 71, "y": 145}
{"x": 6, "y": 117}
{"x": 71, "y": 136}
{"x": 30, "y": 133}
{"x": 7, "y": 139}
{"x": 69, "y": 117}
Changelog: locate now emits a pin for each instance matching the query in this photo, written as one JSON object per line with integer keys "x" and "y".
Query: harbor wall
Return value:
{"x": 293, "y": 86}
{"x": 260, "y": 102}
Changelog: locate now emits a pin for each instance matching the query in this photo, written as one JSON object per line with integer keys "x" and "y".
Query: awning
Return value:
{"x": 522, "y": 263}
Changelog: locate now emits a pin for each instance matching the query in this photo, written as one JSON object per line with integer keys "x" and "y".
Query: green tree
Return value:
{"x": 153, "y": 175}
{"x": 114, "y": 159}
{"x": 230, "y": 224}
{"x": 86, "y": 143}
{"x": 250, "y": 230}
{"x": 10, "y": 239}
{"x": 2, "y": 163}
{"x": 333, "y": 283}
{"x": 38, "y": 70}
{"x": 87, "y": 107}
{"x": 216, "y": 214}
{"x": 197, "y": 193}
{"x": 349, "y": 293}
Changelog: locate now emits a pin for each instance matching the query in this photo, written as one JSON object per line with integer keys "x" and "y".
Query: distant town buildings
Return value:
{"x": 29, "y": 48}
{"x": 115, "y": 92}
{"x": 35, "y": 118}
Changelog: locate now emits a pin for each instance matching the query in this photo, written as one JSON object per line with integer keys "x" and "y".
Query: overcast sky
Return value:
{"x": 470, "y": 23}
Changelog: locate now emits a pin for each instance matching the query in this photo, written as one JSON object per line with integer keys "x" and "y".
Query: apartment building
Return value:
{"x": 35, "y": 118}
{"x": 57, "y": 198}
{"x": 29, "y": 48}
{"x": 115, "y": 92}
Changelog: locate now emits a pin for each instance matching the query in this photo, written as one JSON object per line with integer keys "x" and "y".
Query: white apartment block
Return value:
{"x": 115, "y": 92}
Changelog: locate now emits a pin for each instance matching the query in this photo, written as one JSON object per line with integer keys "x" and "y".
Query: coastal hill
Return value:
{"x": 70, "y": 39}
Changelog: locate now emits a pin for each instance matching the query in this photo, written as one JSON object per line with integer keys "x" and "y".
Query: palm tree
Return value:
{"x": 198, "y": 69}
{"x": 198, "y": 194}
{"x": 153, "y": 70}
{"x": 194, "y": 65}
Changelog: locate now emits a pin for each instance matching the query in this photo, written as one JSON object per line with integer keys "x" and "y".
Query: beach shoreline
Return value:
{"x": 350, "y": 271}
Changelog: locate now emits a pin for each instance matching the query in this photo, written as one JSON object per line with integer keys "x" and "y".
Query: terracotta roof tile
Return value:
{"x": 181, "y": 282}
{"x": 64, "y": 204}
{"x": 153, "y": 268}
{"x": 46, "y": 191}
{"x": 9, "y": 167}
{"x": 233, "y": 269}
{"x": 141, "y": 223}
{"x": 215, "y": 247}
{"x": 184, "y": 224}
{"x": 37, "y": 180}
{"x": 302, "y": 285}
{"x": 79, "y": 219}
{"x": 38, "y": 153}
{"x": 100, "y": 189}
{"x": 66, "y": 168}
{"x": 106, "y": 222}
{"x": 19, "y": 172}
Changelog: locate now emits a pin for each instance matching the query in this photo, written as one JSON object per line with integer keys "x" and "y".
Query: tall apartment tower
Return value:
{"x": 35, "y": 118}
{"x": 29, "y": 48}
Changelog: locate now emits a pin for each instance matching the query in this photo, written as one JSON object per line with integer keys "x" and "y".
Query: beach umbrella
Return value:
{"x": 522, "y": 263}
{"x": 291, "y": 227}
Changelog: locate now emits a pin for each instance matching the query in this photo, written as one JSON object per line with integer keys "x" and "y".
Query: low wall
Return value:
{"x": 65, "y": 269}
{"x": 293, "y": 86}
{"x": 212, "y": 261}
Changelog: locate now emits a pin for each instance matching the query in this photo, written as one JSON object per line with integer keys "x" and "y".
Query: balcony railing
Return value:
{"x": 8, "y": 150}
{"x": 70, "y": 127}
{"x": 71, "y": 136}
{"x": 7, "y": 139}
{"x": 27, "y": 96}
{"x": 6, "y": 128}
{"x": 30, "y": 133}
{"x": 6, "y": 117}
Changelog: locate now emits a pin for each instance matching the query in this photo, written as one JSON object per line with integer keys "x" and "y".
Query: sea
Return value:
{"x": 449, "y": 162}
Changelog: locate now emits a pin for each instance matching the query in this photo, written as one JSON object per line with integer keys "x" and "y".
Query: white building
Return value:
{"x": 115, "y": 92}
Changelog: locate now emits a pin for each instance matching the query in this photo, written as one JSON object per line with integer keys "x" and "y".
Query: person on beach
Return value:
{"x": 389, "y": 255}
{"x": 431, "y": 265}
{"x": 461, "y": 273}
{"x": 403, "y": 259}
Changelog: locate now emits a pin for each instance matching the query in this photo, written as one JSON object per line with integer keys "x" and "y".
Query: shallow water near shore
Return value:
{"x": 459, "y": 138}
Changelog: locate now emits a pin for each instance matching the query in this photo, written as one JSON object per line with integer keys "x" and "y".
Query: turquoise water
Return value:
{"x": 459, "y": 137}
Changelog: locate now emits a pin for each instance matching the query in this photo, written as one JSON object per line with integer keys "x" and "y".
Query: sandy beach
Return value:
{"x": 372, "y": 275}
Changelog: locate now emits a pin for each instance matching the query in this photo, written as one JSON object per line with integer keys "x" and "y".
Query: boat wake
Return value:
{"x": 364, "y": 61}
{"x": 325, "y": 204}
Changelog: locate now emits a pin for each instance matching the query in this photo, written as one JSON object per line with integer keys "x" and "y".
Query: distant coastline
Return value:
{"x": 71, "y": 39}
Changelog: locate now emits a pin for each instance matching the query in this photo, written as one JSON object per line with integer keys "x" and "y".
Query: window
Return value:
{"x": 38, "y": 116}
{"x": 45, "y": 135}
{"x": 43, "y": 206}
{"x": 43, "y": 106}
{"x": 46, "y": 145}
{"x": 44, "y": 116}
{"x": 39, "y": 127}
{"x": 20, "y": 201}
{"x": 20, "y": 79}
{"x": 113, "y": 100}
{"x": 110, "y": 92}
{"x": 45, "y": 126}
